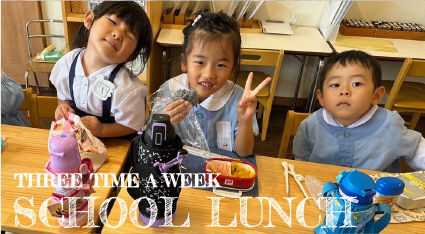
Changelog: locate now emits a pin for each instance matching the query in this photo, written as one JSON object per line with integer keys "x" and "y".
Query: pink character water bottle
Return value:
{"x": 65, "y": 160}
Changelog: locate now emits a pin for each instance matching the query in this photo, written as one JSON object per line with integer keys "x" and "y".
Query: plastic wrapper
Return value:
{"x": 189, "y": 129}
{"x": 315, "y": 187}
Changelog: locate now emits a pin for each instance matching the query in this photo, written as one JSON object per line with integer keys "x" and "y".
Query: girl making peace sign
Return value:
{"x": 210, "y": 57}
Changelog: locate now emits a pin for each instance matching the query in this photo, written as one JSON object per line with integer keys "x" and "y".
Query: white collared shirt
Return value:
{"x": 330, "y": 119}
{"x": 128, "y": 98}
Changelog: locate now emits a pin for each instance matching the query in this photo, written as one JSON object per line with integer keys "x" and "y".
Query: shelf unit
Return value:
{"x": 72, "y": 21}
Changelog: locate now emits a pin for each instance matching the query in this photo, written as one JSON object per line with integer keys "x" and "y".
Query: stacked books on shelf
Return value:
{"x": 382, "y": 29}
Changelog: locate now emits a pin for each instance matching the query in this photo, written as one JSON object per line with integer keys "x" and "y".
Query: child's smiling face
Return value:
{"x": 348, "y": 92}
{"x": 111, "y": 39}
{"x": 208, "y": 66}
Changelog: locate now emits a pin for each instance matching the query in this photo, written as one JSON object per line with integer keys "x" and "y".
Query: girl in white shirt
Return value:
{"x": 92, "y": 81}
{"x": 210, "y": 57}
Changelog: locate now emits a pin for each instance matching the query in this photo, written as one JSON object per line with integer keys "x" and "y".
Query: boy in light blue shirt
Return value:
{"x": 351, "y": 130}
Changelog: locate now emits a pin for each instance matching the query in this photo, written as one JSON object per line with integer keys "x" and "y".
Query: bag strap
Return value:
{"x": 163, "y": 167}
{"x": 78, "y": 122}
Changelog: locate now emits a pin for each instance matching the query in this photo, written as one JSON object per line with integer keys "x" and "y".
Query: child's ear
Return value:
{"x": 183, "y": 63}
{"x": 320, "y": 97}
{"x": 88, "y": 19}
{"x": 378, "y": 94}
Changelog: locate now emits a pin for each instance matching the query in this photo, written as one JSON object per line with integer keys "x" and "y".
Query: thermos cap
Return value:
{"x": 390, "y": 186}
{"x": 357, "y": 184}
{"x": 64, "y": 152}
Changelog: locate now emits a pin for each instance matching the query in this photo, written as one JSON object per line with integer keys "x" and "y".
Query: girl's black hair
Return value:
{"x": 133, "y": 15}
{"x": 212, "y": 26}
{"x": 353, "y": 57}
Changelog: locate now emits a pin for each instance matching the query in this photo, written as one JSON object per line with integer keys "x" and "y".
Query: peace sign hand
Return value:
{"x": 248, "y": 103}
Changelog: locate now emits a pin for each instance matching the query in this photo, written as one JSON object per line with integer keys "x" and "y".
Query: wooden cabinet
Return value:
{"x": 72, "y": 21}
{"x": 14, "y": 47}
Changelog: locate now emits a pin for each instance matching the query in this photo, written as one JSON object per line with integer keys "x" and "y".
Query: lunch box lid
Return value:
{"x": 390, "y": 186}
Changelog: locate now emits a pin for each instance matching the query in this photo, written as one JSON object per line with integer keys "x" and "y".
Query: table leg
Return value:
{"x": 312, "y": 94}
{"x": 297, "y": 86}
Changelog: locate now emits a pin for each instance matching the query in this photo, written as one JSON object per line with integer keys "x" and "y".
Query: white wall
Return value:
{"x": 310, "y": 15}
{"x": 53, "y": 10}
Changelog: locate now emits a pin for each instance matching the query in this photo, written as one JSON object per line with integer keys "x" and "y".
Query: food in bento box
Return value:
{"x": 219, "y": 167}
{"x": 242, "y": 170}
{"x": 233, "y": 169}
{"x": 233, "y": 173}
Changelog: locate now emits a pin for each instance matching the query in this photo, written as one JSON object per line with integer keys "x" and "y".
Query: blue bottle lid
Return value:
{"x": 390, "y": 186}
{"x": 357, "y": 184}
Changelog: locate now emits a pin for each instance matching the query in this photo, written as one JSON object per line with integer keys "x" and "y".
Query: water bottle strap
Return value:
{"x": 384, "y": 220}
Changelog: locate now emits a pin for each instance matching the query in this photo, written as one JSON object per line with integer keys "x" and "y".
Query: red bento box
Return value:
{"x": 226, "y": 179}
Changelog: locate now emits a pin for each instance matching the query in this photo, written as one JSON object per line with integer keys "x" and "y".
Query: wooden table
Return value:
{"x": 405, "y": 49}
{"x": 195, "y": 204}
{"x": 27, "y": 153}
{"x": 306, "y": 41}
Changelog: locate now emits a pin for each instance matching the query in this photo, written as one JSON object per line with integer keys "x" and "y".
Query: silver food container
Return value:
{"x": 414, "y": 192}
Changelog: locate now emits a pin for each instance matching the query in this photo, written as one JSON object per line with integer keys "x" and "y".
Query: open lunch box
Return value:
{"x": 234, "y": 174}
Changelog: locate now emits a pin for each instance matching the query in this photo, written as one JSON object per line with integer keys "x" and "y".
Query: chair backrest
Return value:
{"x": 292, "y": 122}
{"x": 269, "y": 58}
{"x": 411, "y": 67}
{"x": 43, "y": 107}
{"x": 26, "y": 104}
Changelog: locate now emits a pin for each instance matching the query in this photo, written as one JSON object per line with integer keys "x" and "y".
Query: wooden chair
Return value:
{"x": 268, "y": 58}
{"x": 26, "y": 104}
{"x": 292, "y": 122}
{"x": 404, "y": 96}
{"x": 38, "y": 67}
{"x": 43, "y": 107}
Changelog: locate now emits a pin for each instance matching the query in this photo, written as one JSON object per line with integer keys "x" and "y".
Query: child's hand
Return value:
{"x": 62, "y": 111}
{"x": 93, "y": 124}
{"x": 178, "y": 110}
{"x": 248, "y": 103}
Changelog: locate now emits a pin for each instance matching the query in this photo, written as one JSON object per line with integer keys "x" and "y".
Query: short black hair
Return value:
{"x": 212, "y": 26}
{"x": 353, "y": 57}
{"x": 133, "y": 15}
